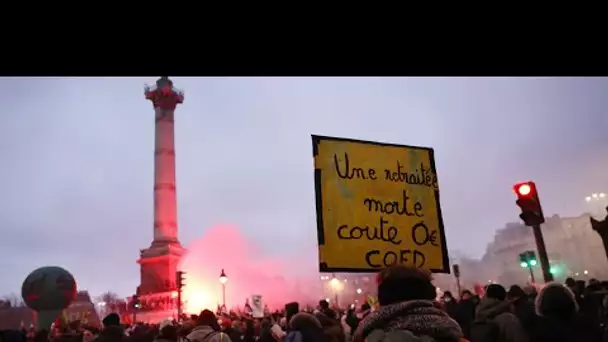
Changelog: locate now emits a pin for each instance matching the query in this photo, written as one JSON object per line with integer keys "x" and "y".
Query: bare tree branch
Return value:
{"x": 12, "y": 301}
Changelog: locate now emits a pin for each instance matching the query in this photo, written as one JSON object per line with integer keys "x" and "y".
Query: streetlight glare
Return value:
{"x": 602, "y": 195}
{"x": 223, "y": 277}
{"x": 335, "y": 282}
{"x": 588, "y": 199}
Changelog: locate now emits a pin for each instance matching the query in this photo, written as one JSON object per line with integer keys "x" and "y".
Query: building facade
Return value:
{"x": 574, "y": 250}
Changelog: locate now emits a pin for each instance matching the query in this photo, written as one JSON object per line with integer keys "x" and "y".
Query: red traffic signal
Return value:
{"x": 523, "y": 189}
{"x": 527, "y": 200}
{"x": 181, "y": 279}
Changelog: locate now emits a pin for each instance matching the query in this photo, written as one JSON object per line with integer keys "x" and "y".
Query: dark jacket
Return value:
{"x": 465, "y": 314}
{"x": 451, "y": 307}
{"x": 113, "y": 333}
{"x": 577, "y": 329}
{"x": 509, "y": 327}
{"x": 559, "y": 319}
{"x": 308, "y": 327}
{"x": 523, "y": 308}
{"x": 332, "y": 328}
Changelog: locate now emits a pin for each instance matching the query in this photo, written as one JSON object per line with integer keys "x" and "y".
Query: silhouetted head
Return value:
{"x": 516, "y": 292}
{"x": 400, "y": 283}
{"x": 570, "y": 282}
{"x": 208, "y": 318}
{"x": 496, "y": 291}
{"x": 556, "y": 300}
{"x": 111, "y": 320}
{"x": 466, "y": 294}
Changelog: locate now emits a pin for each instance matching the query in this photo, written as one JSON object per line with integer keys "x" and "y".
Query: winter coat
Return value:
{"x": 578, "y": 329}
{"x": 451, "y": 307}
{"x": 559, "y": 319}
{"x": 305, "y": 327}
{"x": 203, "y": 333}
{"x": 523, "y": 308}
{"x": 465, "y": 314}
{"x": 410, "y": 321}
{"x": 332, "y": 328}
{"x": 509, "y": 327}
{"x": 112, "y": 333}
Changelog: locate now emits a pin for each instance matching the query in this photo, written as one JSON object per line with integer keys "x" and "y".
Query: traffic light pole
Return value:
{"x": 531, "y": 274}
{"x": 542, "y": 253}
{"x": 179, "y": 305}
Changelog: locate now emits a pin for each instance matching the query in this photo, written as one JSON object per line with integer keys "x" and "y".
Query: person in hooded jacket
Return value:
{"x": 465, "y": 313}
{"x": 304, "y": 327}
{"x": 351, "y": 320}
{"x": 207, "y": 329}
{"x": 332, "y": 328}
{"x": 167, "y": 332}
{"x": 450, "y": 304}
{"x": 266, "y": 332}
{"x": 112, "y": 330}
{"x": 495, "y": 311}
{"x": 249, "y": 333}
{"x": 523, "y": 307}
{"x": 559, "y": 319}
{"x": 407, "y": 310}
{"x": 326, "y": 310}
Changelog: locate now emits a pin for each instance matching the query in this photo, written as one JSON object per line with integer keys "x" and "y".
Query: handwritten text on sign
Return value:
{"x": 377, "y": 206}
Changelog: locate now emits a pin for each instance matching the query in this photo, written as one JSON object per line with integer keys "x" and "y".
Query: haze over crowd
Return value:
{"x": 78, "y": 161}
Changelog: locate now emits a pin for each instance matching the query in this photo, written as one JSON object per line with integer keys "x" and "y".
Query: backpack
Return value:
{"x": 484, "y": 331}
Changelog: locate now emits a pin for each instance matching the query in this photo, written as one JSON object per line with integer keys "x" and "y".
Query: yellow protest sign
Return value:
{"x": 377, "y": 206}
{"x": 372, "y": 301}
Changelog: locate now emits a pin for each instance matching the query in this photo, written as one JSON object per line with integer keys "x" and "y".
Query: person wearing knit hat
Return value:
{"x": 306, "y": 328}
{"x": 111, "y": 319}
{"x": 407, "y": 310}
{"x": 559, "y": 318}
{"x": 112, "y": 330}
{"x": 167, "y": 332}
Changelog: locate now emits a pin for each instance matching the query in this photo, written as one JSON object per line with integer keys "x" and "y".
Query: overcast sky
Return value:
{"x": 77, "y": 159}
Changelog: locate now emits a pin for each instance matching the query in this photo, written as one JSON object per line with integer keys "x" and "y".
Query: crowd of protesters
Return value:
{"x": 408, "y": 310}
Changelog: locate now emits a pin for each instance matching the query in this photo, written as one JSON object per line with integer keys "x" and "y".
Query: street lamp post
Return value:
{"x": 223, "y": 280}
{"x": 335, "y": 284}
{"x": 597, "y": 201}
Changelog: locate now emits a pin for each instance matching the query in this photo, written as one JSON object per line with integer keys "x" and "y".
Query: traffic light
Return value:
{"x": 135, "y": 302}
{"x": 528, "y": 202}
{"x": 456, "y": 270}
{"x": 527, "y": 259}
{"x": 554, "y": 269}
{"x": 181, "y": 280}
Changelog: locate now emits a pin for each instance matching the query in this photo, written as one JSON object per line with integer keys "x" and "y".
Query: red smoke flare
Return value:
{"x": 248, "y": 272}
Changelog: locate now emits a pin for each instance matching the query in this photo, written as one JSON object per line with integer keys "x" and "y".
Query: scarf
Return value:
{"x": 421, "y": 317}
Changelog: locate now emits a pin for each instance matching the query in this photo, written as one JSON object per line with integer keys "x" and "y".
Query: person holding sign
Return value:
{"x": 407, "y": 311}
